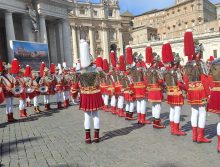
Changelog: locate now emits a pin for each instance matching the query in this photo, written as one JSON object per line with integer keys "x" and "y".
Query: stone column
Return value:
{"x": 27, "y": 28}
{"x": 10, "y": 34}
{"x": 78, "y": 34}
{"x": 43, "y": 30}
{"x": 53, "y": 43}
{"x": 67, "y": 43}
{"x": 59, "y": 42}
{"x": 105, "y": 43}
{"x": 92, "y": 42}
{"x": 75, "y": 43}
{"x": 120, "y": 42}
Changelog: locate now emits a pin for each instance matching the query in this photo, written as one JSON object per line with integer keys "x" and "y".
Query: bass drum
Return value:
{"x": 43, "y": 89}
{"x": 2, "y": 97}
{"x": 17, "y": 90}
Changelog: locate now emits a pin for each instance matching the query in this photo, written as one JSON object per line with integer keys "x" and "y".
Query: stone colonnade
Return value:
{"x": 59, "y": 33}
{"x": 104, "y": 37}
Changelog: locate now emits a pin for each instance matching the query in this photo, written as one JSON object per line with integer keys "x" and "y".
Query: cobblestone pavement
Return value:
{"x": 56, "y": 139}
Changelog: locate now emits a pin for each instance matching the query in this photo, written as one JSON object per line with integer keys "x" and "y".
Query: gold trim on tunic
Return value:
{"x": 196, "y": 86}
{"x": 173, "y": 90}
{"x": 89, "y": 90}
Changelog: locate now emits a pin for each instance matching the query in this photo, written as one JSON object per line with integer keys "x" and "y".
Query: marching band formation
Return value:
{"x": 121, "y": 87}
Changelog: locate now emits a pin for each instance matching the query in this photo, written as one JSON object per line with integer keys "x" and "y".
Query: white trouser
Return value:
{"x": 22, "y": 104}
{"x": 28, "y": 100}
{"x": 113, "y": 101}
{"x": 218, "y": 129}
{"x": 131, "y": 107}
{"x": 88, "y": 116}
{"x": 9, "y": 105}
{"x": 73, "y": 99}
{"x": 127, "y": 107}
{"x": 59, "y": 97}
{"x": 120, "y": 102}
{"x": 141, "y": 106}
{"x": 175, "y": 112}
{"x": 35, "y": 99}
{"x": 46, "y": 99}
{"x": 66, "y": 95}
{"x": 198, "y": 116}
{"x": 156, "y": 109}
{"x": 105, "y": 99}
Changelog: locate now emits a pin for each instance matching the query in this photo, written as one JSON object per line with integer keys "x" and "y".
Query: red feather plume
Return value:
{"x": 129, "y": 55}
{"x": 113, "y": 59}
{"x": 167, "y": 54}
{"x": 189, "y": 47}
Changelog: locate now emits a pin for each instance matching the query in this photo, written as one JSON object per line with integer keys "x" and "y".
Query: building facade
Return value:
{"x": 43, "y": 21}
{"x": 172, "y": 22}
{"x": 158, "y": 26}
{"x": 218, "y": 10}
{"x": 101, "y": 25}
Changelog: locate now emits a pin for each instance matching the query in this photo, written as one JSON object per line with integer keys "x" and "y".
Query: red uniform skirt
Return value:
{"x": 128, "y": 95}
{"x": 74, "y": 90}
{"x": 196, "y": 93}
{"x": 214, "y": 103}
{"x": 2, "y": 96}
{"x": 118, "y": 89}
{"x": 31, "y": 95}
{"x": 66, "y": 87}
{"x": 110, "y": 90}
{"x": 139, "y": 90}
{"x": 7, "y": 94}
{"x": 154, "y": 93}
{"x": 90, "y": 100}
{"x": 59, "y": 87}
{"x": 174, "y": 96}
{"x": 104, "y": 88}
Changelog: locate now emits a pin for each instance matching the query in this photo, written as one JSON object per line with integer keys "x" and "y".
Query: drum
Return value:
{"x": 43, "y": 89}
{"x": 17, "y": 90}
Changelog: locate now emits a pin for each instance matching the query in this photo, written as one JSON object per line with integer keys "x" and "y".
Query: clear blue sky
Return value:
{"x": 140, "y": 6}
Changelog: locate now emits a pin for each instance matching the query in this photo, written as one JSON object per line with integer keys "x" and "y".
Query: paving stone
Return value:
{"x": 56, "y": 139}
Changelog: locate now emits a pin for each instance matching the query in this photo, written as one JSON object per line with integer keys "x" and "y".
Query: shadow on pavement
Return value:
{"x": 120, "y": 132}
{"x": 11, "y": 146}
{"x": 211, "y": 130}
{"x": 187, "y": 127}
{"x": 32, "y": 117}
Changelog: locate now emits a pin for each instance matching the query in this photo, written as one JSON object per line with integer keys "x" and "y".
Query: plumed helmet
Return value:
{"x": 27, "y": 72}
{"x": 105, "y": 65}
{"x": 149, "y": 54}
{"x": 113, "y": 58}
{"x": 85, "y": 58}
{"x": 42, "y": 66}
{"x": 99, "y": 62}
{"x": 189, "y": 48}
{"x": 167, "y": 54}
{"x": 122, "y": 66}
{"x": 52, "y": 68}
{"x": 129, "y": 55}
{"x": 15, "y": 66}
{"x": 1, "y": 66}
